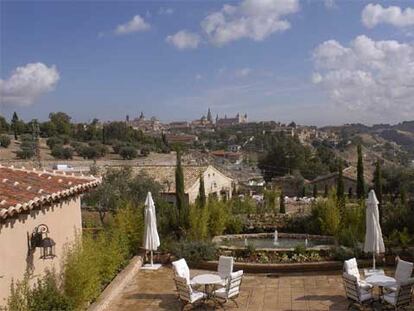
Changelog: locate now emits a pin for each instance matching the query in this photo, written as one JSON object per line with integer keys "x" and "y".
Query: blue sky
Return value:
{"x": 72, "y": 58}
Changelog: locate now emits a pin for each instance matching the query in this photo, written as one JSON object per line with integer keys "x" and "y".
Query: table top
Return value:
{"x": 370, "y": 272}
{"x": 205, "y": 279}
{"x": 380, "y": 280}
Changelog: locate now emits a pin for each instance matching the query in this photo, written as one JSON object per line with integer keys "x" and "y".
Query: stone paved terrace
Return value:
{"x": 155, "y": 290}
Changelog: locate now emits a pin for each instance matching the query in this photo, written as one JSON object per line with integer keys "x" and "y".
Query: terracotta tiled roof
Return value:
{"x": 22, "y": 190}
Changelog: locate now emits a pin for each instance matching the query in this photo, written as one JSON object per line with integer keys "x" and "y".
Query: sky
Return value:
{"x": 314, "y": 62}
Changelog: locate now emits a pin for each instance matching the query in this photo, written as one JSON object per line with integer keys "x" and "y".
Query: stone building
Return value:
{"x": 227, "y": 122}
{"x": 40, "y": 215}
{"x": 215, "y": 182}
{"x": 152, "y": 125}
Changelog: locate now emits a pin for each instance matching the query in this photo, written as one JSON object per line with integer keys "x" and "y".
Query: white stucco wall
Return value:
{"x": 64, "y": 222}
{"x": 214, "y": 182}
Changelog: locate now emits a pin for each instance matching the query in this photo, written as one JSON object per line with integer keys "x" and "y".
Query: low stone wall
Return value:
{"x": 285, "y": 268}
{"x": 117, "y": 284}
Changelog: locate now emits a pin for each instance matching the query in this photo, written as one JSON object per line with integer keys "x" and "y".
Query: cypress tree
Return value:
{"x": 282, "y": 203}
{"x": 326, "y": 191}
{"x": 14, "y": 124}
{"x": 378, "y": 187}
{"x": 180, "y": 194}
{"x": 360, "y": 175}
{"x": 340, "y": 188}
{"x": 202, "y": 199}
{"x": 315, "y": 190}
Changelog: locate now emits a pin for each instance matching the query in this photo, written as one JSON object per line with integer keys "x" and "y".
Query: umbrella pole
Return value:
{"x": 152, "y": 261}
{"x": 373, "y": 261}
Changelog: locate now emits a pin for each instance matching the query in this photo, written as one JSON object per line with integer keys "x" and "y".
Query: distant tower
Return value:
{"x": 216, "y": 118}
{"x": 209, "y": 117}
{"x": 141, "y": 116}
{"x": 127, "y": 118}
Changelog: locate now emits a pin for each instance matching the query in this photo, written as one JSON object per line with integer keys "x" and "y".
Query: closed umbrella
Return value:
{"x": 373, "y": 235}
{"x": 151, "y": 238}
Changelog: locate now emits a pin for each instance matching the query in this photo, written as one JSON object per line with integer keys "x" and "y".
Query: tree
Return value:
{"x": 202, "y": 199}
{"x": 282, "y": 203}
{"x": 4, "y": 126}
{"x": 360, "y": 175}
{"x": 181, "y": 203}
{"x": 15, "y": 124}
{"x": 340, "y": 188}
{"x": 378, "y": 187}
{"x": 60, "y": 152}
{"x": 315, "y": 190}
{"x": 4, "y": 141}
{"x": 326, "y": 191}
{"x": 128, "y": 153}
{"x": 61, "y": 122}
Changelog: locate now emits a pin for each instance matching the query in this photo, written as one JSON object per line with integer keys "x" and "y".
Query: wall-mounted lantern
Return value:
{"x": 40, "y": 239}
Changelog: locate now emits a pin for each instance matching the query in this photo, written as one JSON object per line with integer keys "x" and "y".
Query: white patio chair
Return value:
{"x": 354, "y": 292}
{"x": 225, "y": 267}
{"x": 187, "y": 295}
{"x": 232, "y": 289}
{"x": 402, "y": 296}
{"x": 182, "y": 270}
{"x": 351, "y": 267}
{"x": 402, "y": 273}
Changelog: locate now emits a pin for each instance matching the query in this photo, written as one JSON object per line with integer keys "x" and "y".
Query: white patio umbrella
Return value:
{"x": 151, "y": 238}
{"x": 373, "y": 235}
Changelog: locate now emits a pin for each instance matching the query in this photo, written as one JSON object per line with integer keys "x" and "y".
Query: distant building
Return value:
{"x": 215, "y": 182}
{"x": 227, "y": 122}
{"x": 146, "y": 125}
{"x": 180, "y": 125}
{"x": 330, "y": 180}
{"x": 234, "y": 157}
{"x": 40, "y": 216}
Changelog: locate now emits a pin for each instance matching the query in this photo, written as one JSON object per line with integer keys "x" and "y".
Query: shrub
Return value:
{"x": 88, "y": 152}
{"x": 145, "y": 151}
{"x": 128, "y": 152}
{"x": 117, "y": 145}
{"x": 194, "y": 252}
{"x": 45, "y": 294}
{"x": 4, "y": 141}
{"x": 82, "y": 279}
{"x": 54, "y": 141}
{"x": 60, "y": 152}
{"x": 25, "y": 153}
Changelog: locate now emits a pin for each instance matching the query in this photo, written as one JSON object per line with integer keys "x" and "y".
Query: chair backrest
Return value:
{"x": 403, "y": 296}
{"x": 403, "y": 271}
{"x": 181, "y": 269}
{"x": 234, "y": 283}
{"x": 351, "y": 286}
{"x": 351, "y": 267}
{"x": 184, "y": 289}
{"x": 225, "y": 266}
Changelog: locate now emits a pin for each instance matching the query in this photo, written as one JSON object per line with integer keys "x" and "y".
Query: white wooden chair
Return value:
{"x": 351, "y": 267}
{"x": 402, "y": 273}
{"x": 186, "y": 294}
{"x": 354, "y": 292}
{"x": 225, "y": 267}
{"x": 232, "y": 288}
{"x": 400, "y": 298}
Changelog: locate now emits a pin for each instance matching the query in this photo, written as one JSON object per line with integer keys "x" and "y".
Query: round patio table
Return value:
{"x": 209, "y": 281}
{"x": 380, "y": 280}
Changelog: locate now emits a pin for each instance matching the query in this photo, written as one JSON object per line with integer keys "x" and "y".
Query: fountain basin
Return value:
{"x": 266, "y": 241}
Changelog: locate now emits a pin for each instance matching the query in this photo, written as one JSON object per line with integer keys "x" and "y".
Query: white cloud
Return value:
{"x": 374, "y": 14}
{"x": 184, "y": 40}
{"x": 27, "y": 83}
{"x": 243, "y": 72}
{"x": 165, "y": 11}
{"x": 371, "y": 77}
{"x": 253, "y": 19}
{"x": 136, "y": 24}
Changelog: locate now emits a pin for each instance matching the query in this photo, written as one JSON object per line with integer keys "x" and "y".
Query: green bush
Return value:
{"x": 60, "y": 152}
{"x": 25, "y": 153}
{"x": 88, "y": 152}
{"x": 194, "y": 252}
{"x": 45, "y": 294}
{"x": 4, "y": 141}
{"x": 54, "y": 141}
{"x": 128, "y": 153}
